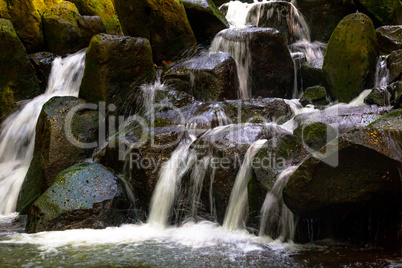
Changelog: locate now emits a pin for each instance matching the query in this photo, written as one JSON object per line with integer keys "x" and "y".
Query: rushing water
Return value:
{"x": 382, "y": 73}
{"x": 17, "y": 138}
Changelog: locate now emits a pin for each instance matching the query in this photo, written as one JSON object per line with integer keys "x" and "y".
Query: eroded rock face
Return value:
{"x": 17, "y": 76}
{"x": 265, "y": 56}
{"x": 205, "y": 19}
{"x": 115, "y": 66}
{"x": 163, "y": 22}
{"x": 206, "y": 77}
{"x": 56, "y": 149}
{"x": 389, "y": 38}
{"x": 82, "y": 196}
{"x": 350, "y": 60}
{"x": 66, "y": 31}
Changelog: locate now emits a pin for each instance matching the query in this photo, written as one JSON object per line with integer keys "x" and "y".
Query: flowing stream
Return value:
{"x": 17, "y": 138}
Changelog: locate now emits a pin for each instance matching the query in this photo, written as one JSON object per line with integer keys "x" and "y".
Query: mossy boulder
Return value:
{"x": 115, "y": 67}
{"x": 26, "y": 17}
{"x": 66, "y": 31}
{"x": 55, "y": 148}
{"x": 386, "y": 12}
{"x": 316, "y": 135}
{"x": 17, "y": 76}
{"x": 324, "y": 15}
{"x": 350, "y": 59}
{"x": 389, "y": 38}
{"x": 83, "y": 196}
{"x": 315, "y": 95}
{"x": 163, "y": 22}
{"x": 205, "y": 19}
{"x": 206, "y": 77}
{"x": 42, "y": 62}
{"x": 311, "y": 73}
{"x": 394, "y": 63}
{"x": 270, "y": 65}
{"x": 104, "y": 9}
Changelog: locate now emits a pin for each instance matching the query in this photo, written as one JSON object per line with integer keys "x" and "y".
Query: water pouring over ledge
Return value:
{"x": 17, "y": 138}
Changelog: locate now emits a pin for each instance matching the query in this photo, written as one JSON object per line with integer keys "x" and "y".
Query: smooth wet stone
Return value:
{"x": 311, "y": 73}
{"x": 163, "y": 22}
{"x": 206, "y": 77}
{"x": 389, "y": 38}
{"x": 315, "y": 135}
{"x": 115, "y": 68}
{"x": 17, "y": 75}
{"x": 66, "y": 30}
{"x": 316, "y": 96}
{"x": 378, "y": 96}
{"x": 55, "y": 148}
{"x": 82, "y": 196}
{"x": 271, "y": 69}
{"x": 394, "y": 64}
{"x": 350, "y": 60}
{"x": 205, "y": 19}
{"x": 42, "y": 61}
{"x": 102, "y": 8}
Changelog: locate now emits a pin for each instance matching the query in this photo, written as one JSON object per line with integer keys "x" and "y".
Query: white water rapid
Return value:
{"x": 17, "y": 138}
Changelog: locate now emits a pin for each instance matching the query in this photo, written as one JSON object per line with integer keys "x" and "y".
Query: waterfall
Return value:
{"x": 169, "y": 178}
{"x": 17, "y": 138}
{"x": 276, "y": 219}
{"x": 381, "y": 73}
{"x": 148, "y": 94}
{"x": 237, "y": 209}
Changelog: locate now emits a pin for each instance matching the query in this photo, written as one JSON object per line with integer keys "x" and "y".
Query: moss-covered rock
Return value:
{"x": 102, "y": 8}
{"x": 66, "y": 31}
{"x": 163, "y": 22}
{"x": 350, "y": 59}
{"x": 206, "y": 77}
{"x": 82, "y": 196}
{"x": 205, "y": 19}
{"x": 26, "y": 17}
{"x": 42, "y": 62}
{"x": 315, "y": 135}
{"x": 55, "y": 148}
{"x": 387, "y": 12}
{"x": 115, "y": 66}
{"x": 270, "y": 65}
{"x": 17, "y": 76}
{"x": 389, "y": 38}
{"x": 311, "y": 73}
{"x": 324, "y": 15}
{"x": 314, "y": 95}
{"x": 394, "y": 63}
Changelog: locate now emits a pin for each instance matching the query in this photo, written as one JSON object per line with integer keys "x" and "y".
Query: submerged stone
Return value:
{"x": 350, "y": 60}
{"x": 163, "y": 22}
{"x": 82, "y": 196}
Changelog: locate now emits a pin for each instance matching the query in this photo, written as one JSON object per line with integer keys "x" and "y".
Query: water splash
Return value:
{"x": 17, "y": 138}
{"x": 148, "y": 95}
{"x": 237, "y": 209}
{"x": 276, "y": 219}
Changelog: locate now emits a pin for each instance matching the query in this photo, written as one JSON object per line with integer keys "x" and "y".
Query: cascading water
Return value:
{"x": 382, "y": 73}
{"x": 276, "y": 219}
{"x": 169, "y": 178}
{"x": 17, "y": 138}
{"x": 237, "y": 208}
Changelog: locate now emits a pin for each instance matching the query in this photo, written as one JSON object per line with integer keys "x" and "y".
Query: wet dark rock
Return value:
{"x": 206, "y": 77}
{"x": 378, "y": 96}
{"x": 164, "y": 23}
{"x": 55, "y": 148}
{"x": 394, "y": 63}
{"x": 42, "y": 61}
{"x": 315, "y": 135}
{"x": 350, "y": 60}
{"x": 205, "y": 19}
{"x": 17, "y": 76}
{"x": 316, "y": 96}
{"x": 66, "y": 31}
{"x": 268, "y": 78}
{"x": 311, "y": 73}
{"x": 82, "y": 196}
{"x": 323, "y": 16}
{"x": 115, "y": 67}
{"x": 396, "y": 94}
{"x": 386, "y": 12}
{"x": 389, "y": 38}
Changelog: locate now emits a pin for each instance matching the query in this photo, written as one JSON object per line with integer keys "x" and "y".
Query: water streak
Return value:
{"x": 17, "y": 138}
{"x": 382, "y": 73}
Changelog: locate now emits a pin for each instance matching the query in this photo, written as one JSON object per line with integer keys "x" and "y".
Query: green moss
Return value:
{"x": 384, "y": 10}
